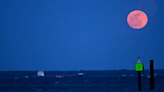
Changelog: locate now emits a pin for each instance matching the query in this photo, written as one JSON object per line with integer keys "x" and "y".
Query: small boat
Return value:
{"x": 80, "y": 74}
{"x": 40, "y": 73}
{"x": 58, "y": 76}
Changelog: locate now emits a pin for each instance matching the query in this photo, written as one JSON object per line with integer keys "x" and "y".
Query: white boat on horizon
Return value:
{"x": 40, "y": 73}
{"x": 58, "y": 76}
{"x": 80, "y": 74}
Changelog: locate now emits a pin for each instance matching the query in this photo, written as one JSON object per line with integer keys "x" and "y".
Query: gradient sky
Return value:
{"x": 79, "y": 34}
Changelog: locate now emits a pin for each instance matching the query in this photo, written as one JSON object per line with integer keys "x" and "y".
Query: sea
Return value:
{"x": 92, "y": 81}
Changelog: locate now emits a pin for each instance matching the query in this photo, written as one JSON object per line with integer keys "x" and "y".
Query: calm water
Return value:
{"x": 113, "y": 83}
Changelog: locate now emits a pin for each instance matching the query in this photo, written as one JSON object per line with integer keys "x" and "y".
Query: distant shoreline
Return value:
{"x": 76, "y": 70}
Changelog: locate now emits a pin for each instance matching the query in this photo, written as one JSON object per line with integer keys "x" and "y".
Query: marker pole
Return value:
{"x": 139, "y": 80}
{"x": 151, "y": 75}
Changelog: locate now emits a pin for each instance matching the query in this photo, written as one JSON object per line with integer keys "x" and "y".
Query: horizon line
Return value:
{"x": 75, "y": 70}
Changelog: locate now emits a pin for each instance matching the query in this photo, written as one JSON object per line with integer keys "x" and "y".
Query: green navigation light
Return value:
{"x": 139, "y": 67}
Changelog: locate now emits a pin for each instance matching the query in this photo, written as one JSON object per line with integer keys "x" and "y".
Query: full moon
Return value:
{"x": 137, "y": 19}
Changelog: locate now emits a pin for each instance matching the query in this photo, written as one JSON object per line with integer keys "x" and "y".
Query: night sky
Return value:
{"x": 79, "y": 34}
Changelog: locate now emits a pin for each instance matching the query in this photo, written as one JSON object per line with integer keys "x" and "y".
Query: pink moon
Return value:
{"x": 137, "y": 19}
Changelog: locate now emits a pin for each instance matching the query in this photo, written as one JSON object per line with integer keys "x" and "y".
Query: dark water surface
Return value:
{"x": 113, "y": 83}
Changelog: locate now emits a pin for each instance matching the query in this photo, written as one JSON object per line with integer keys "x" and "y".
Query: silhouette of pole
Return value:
{"x": 139, "y": 80}
{"x": 151, "y": 75}
{"x": 139, "y": 68}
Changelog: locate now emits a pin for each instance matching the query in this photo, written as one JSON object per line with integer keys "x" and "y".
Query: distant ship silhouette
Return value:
{"x": 80, "y": 74}
{"x": 40, "y": 73}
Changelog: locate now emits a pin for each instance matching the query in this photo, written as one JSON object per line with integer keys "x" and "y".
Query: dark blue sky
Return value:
{"x": 79, "y": 34}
